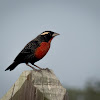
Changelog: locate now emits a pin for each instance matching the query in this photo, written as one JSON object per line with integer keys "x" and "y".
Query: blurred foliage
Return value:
{"x": 90, "y": 92}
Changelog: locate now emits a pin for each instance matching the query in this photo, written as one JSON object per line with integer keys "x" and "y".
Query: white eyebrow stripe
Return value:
{"x": 44, "y": 33}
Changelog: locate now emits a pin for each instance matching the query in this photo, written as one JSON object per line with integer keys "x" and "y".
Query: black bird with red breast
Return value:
{"x": 34, "y": 50}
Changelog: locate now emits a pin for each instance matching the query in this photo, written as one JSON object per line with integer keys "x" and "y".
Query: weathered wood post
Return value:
{"x": 34, "y": 85}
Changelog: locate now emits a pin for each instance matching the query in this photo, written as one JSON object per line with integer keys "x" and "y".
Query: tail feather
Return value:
{"x": 12, "y": 66}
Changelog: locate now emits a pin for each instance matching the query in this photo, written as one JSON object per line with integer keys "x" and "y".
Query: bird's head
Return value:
{"x": 48, "y": 35}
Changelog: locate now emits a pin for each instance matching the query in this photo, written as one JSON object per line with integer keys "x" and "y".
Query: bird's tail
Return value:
{"x": 12, "y": 66}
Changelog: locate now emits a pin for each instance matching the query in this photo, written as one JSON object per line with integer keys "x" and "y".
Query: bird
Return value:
{"x": 35, "y": 50}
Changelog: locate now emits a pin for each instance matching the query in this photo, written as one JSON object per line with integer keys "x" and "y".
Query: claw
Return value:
{"x": 40, "y": 69}
{"x": 47, "y": 69}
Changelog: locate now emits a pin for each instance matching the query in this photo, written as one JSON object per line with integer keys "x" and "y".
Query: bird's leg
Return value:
{"x": 30, "y": 66}
{"x": 37, "y": 67}
{"x": 42, "y": 68}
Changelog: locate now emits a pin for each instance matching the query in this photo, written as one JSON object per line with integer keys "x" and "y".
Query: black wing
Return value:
{"x": 27, "y": 52}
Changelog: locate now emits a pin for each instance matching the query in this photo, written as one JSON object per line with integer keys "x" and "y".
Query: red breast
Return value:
{"x": 42, "y": 49}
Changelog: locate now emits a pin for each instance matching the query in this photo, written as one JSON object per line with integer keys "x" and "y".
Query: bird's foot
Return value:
{"x": 47, "y": 69}
{"x": 40, "y": 69}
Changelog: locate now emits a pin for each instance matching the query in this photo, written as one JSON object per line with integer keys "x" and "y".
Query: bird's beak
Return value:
{"x": 55, "y": 34}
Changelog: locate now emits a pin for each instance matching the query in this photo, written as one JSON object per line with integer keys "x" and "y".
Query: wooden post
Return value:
{"x": 37, "y": 85}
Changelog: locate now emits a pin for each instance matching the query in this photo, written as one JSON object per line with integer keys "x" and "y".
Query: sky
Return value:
{"x": 74, "y": 55}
